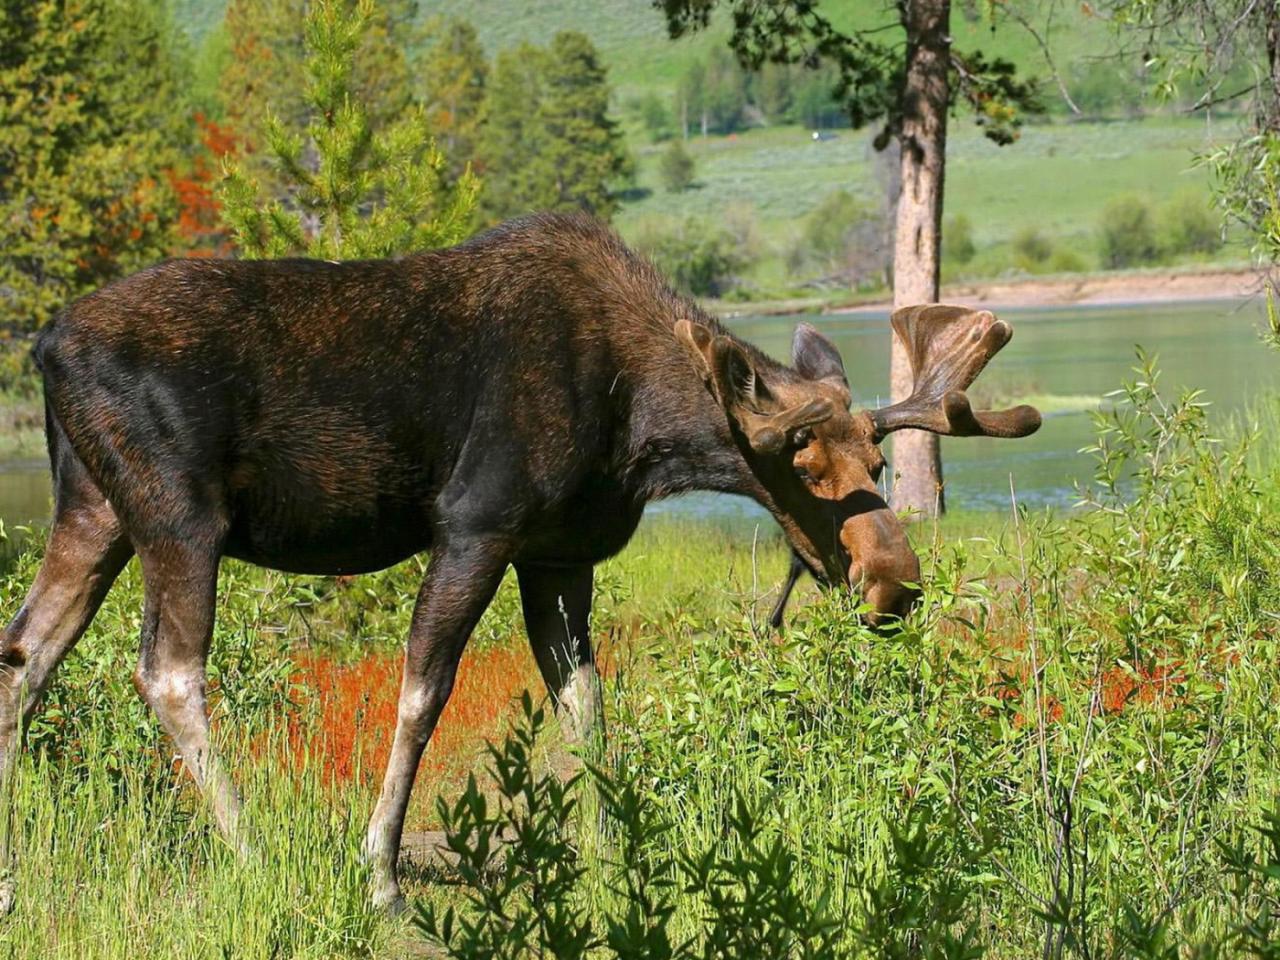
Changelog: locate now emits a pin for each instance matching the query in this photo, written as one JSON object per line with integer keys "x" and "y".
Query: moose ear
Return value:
{"x": 698, "y": 339}
{"x": 816, "y": 358}
{"x": 734, "y": 377}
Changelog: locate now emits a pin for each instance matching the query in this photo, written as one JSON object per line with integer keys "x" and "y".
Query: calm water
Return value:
{"x": 1069, "y": 351}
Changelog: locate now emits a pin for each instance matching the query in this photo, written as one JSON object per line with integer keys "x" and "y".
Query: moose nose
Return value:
{"x": 882, "y": 563}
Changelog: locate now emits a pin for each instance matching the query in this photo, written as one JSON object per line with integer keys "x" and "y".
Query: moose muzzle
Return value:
{"x": 882, "y": 564}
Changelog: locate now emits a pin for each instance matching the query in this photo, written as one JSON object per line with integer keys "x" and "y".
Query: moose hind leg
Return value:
{"x": 557, "y": 612}
{"x": 460, "y": 582}
{"x": 85, "y": 553}
{"x": 180, "y": 584}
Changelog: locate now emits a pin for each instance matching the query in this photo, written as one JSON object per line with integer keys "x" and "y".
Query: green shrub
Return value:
{"x": 846, "y": 240}
{"x": 1031, "y": 247}
{"x": 1188, "y": 225}
{"x": 528, "y": 889}
{"x": 957, "y": 240}
{"x": 18, "y": 375}
{"x": 1127, "y": 235}
{"x": 655, "y": 117}
{"x": 696, "y": 257}
{"x": 676, "y": 168}
{"x": 1065, "y": 260}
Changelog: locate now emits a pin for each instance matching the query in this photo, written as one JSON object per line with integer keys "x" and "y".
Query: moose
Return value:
{"x": 512, "y": 401}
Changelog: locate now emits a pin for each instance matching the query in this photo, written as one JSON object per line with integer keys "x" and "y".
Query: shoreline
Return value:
{"x": 1163, "y": 286}
{"x": 1097, "y": 289}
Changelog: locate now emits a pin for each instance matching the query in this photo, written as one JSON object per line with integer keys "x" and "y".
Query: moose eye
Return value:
{"x": 801, "y": 437}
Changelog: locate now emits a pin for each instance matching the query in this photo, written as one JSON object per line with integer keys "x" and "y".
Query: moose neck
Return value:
{"x": 680, "y": 440}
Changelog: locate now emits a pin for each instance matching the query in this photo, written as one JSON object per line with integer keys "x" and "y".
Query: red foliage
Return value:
{"x": 1118, "y": 688}
{"x": 199, "y": 225}
{"x": 357, "y": 704}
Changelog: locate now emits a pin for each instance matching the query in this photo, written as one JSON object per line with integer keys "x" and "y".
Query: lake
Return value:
{"x": 1060, "y": 352}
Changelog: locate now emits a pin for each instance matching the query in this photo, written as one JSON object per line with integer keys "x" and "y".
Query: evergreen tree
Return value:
{"x": 549, "y": 142}
{"x": 676, "y": 168}
{"x": 351, "y": 191}
{"x": 265, "y": 72}
{"x": 91, "y": 115}
{"x": 264, "y": 67}
{"x": 454, "y": 74}
{"x": 725, "y": 93}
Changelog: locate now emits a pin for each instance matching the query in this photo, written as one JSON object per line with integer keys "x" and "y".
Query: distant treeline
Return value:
{"x": 716, "y": 95}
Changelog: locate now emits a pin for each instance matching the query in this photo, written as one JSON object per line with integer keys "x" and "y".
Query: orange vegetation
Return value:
{"x": 352, "y": 707}
{"x": 199, "y": 224}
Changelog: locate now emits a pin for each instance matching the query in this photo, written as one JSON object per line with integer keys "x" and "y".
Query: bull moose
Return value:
{"x": 512, "y": 401}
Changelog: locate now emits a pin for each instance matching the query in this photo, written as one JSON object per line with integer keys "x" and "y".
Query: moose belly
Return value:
{"x": 302, "y": 526}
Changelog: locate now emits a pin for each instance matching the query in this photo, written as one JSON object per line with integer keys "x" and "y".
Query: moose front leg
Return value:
{"x": 461, "y": 580}
{"x": 793, "y": 577}
{"x": 557, "y": 612}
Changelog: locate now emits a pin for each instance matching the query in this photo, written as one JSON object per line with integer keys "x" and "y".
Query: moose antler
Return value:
{"x": 769, "y": 434}
{"x": 948, "y": 346}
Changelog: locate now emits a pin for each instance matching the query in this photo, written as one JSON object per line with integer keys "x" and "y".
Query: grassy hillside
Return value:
{"x": 1057, "y": 179}
{"x": 632, "y": 34}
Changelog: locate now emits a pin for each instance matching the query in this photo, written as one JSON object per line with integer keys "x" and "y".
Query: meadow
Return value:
{"x": 1055, "y": 184}
{"x": 1070, "y": 749}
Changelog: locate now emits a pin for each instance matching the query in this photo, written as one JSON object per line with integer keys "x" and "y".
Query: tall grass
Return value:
{"x": 119, "y": 859}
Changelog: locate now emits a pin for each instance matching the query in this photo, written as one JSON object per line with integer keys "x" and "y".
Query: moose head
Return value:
{"x": 819, "y": 462}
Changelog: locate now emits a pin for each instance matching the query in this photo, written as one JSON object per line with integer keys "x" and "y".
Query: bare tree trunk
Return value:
{"x": 917, "y": 464}
{"x": 1271, "y": 121}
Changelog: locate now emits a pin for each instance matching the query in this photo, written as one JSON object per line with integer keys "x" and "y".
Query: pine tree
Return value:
{"x": 91, "y": 114}
{"x": 454, "y": 74}
{"x": 264, "y": 68}
{"x": 549, "y": 142}
{"x": 676, "y": 168}
{"x": 265, "y": 72}
{"x": 725, "y": 94}
{"x": 350, "y": 191}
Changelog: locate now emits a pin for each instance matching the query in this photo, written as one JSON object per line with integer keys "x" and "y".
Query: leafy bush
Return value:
{"x": 676, "y": 168}
{"x": 1127, "y": 235}
{"x": 1188, "y": 225}
{"x": 655, "y": 117}
{"x": 957, "y": 240}
{"x": 846, "y": 240}
{"x": 529, "y": 890}
{"x": 1066, "y": 261}
{"x": 18, "y": 376}
{"x": 1031, "y": 248}
{"x": 696, "y": 257}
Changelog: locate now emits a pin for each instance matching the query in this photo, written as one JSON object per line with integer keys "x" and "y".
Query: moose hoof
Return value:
{"x": 390, "y": 901}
